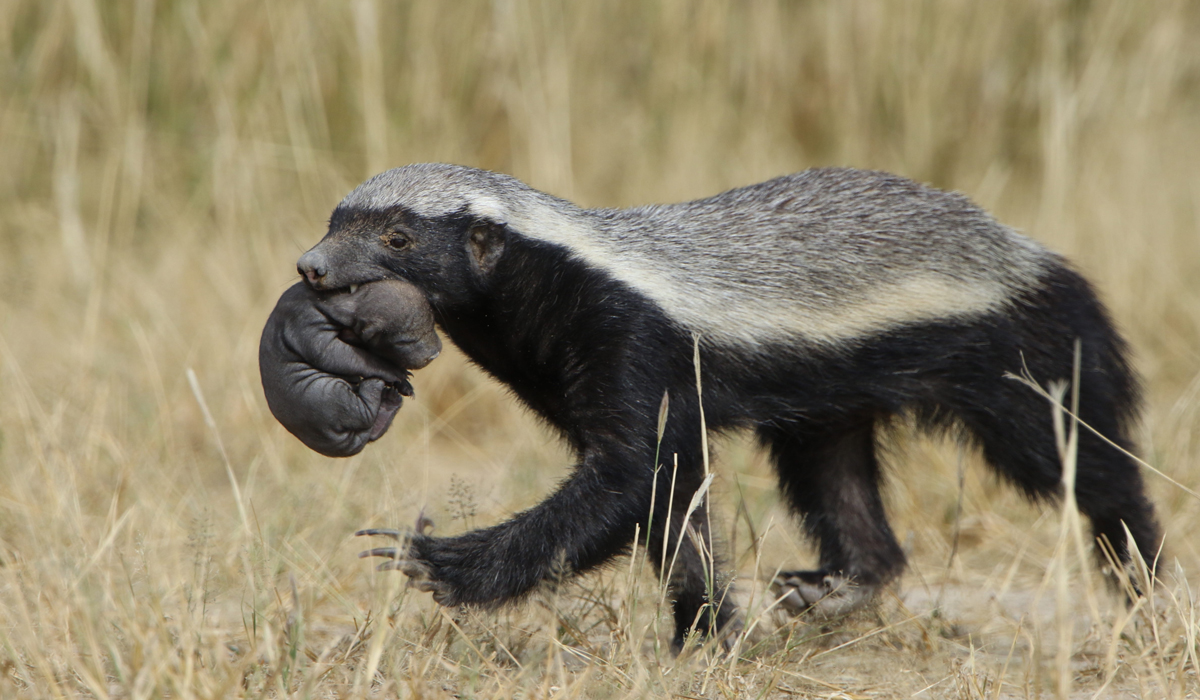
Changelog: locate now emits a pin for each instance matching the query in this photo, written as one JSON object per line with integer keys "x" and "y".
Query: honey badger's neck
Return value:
{"x": 563, "y": 335}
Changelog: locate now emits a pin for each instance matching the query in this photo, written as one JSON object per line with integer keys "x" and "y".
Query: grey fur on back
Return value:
{"x": 822, "y": 256}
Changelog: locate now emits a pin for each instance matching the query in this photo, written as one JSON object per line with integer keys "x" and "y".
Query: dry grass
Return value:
{"x": 164, "y": 163}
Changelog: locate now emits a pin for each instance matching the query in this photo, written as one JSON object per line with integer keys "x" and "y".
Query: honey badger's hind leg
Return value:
{"x": 831, "y": 480}
{"x": 1012, "y": 424}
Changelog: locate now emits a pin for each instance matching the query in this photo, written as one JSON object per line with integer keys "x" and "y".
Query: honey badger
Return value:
{"x": 825, "y": 303}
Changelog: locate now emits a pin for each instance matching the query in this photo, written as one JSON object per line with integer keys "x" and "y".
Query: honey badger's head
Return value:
{"x": 441, "y": 227}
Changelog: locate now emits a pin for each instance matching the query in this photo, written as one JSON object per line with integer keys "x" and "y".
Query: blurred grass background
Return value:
{"x": 165, "y": 163}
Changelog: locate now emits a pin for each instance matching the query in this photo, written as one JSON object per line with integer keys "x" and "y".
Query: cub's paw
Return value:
{"x": 404, "y": 558}
{"x": 820, "y": 593}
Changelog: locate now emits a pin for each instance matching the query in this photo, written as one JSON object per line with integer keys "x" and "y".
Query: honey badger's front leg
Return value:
{"x": 593, "y": 515}
{"x": 590, "y": 516}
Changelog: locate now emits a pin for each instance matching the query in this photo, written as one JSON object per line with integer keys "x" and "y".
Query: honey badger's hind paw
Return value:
{"x": 820, "y": 593}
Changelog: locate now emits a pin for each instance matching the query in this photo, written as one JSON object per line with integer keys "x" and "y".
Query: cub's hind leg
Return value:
{"x": 831, "y": 480}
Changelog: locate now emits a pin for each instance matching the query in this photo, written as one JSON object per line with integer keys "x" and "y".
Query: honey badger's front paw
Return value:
{"x": 405, "y": 559}
{"x": 820, "y": 593}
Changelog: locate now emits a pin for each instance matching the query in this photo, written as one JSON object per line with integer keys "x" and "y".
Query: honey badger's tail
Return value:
{"x": 1013, "y": 424}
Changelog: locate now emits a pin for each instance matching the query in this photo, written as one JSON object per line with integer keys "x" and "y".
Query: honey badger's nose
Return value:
{"x": 312, "y": 267}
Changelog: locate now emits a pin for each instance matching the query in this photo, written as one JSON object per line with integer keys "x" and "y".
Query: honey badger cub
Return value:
{"x": 335, "y": 365}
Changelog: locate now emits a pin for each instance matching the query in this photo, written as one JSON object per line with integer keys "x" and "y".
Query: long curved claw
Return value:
{"x": 401, "y": 559}
{"x": 389, "y": 552}
{"x": 398, "y": 560}
{"x": 417, "y": 575}
{"x": 426, "y": 585}
{"x": 384, "y": 531}
{"x": 400, "y": 556}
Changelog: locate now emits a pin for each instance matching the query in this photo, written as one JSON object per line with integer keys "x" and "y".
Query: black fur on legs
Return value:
{"x": 1011, "y": 425}
{"x": 964, "y": 385}
{"x": 831, "y": 479}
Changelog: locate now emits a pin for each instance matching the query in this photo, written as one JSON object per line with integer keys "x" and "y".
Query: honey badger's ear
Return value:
{"x": 485, "y": 244}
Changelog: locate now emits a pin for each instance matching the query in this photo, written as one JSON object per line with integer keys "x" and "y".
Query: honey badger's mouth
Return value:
{"x": 329, "y": 292}
{"x": 333, "y": 284}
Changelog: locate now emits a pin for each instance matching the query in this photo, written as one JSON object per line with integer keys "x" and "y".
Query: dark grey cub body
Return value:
{"x": 333, "y": 365}
{"x": 826, "y": 303}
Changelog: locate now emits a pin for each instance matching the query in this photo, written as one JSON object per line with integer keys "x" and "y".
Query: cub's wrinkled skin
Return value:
{"x": 334, "y": 365}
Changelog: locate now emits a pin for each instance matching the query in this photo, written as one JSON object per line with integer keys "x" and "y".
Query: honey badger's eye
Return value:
{"x": 396, "y": 240}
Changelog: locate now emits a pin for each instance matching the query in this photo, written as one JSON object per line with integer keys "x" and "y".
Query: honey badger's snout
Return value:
{"x": 313, "y": 266}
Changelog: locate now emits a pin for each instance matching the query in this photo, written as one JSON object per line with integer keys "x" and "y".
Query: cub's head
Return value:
{"x": 440, "y": 227}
